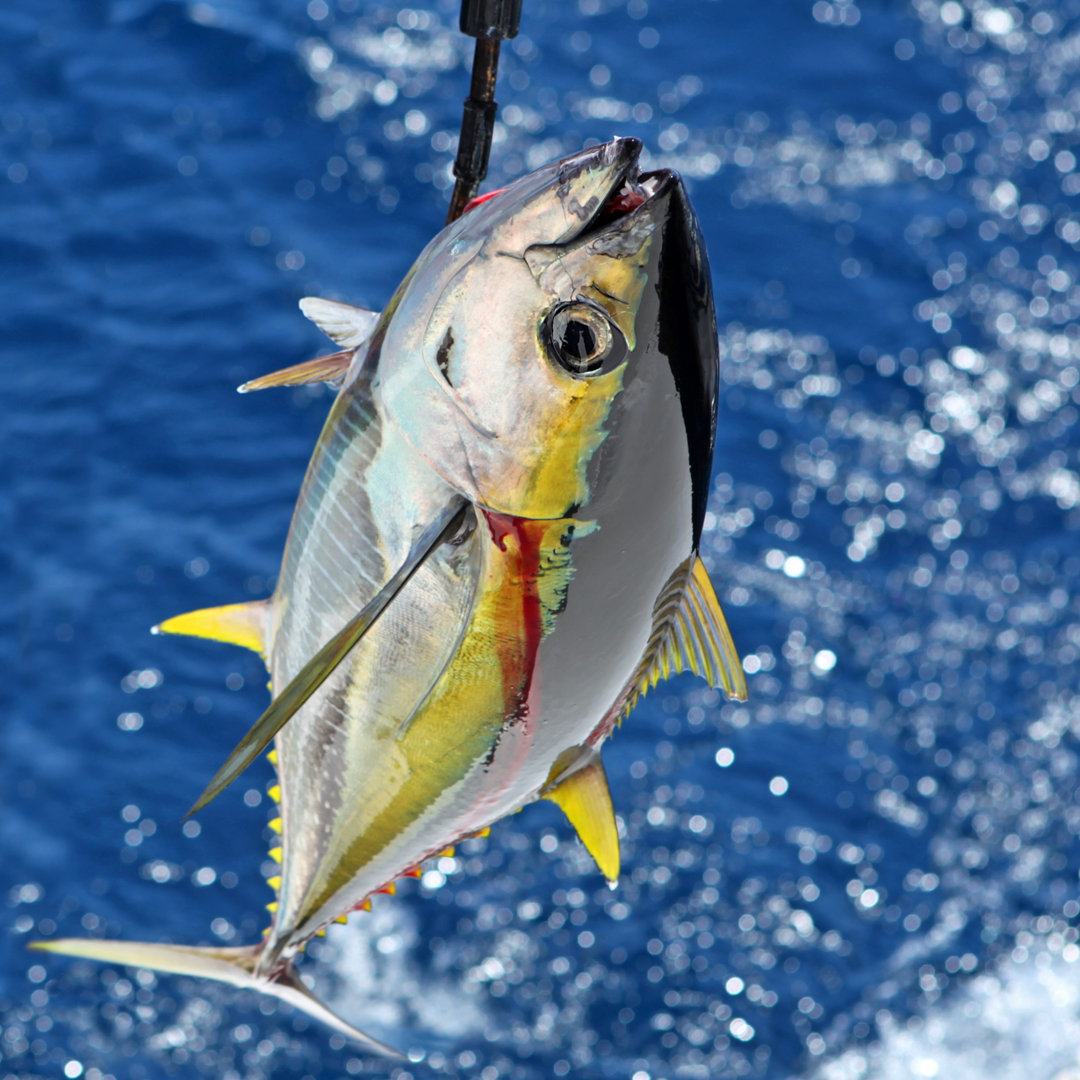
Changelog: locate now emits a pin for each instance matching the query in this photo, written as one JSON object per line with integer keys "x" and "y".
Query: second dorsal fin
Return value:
{"x": 237, "y": 624}
{"x": 691, "y": 634}
{"x": 347, "y": 325}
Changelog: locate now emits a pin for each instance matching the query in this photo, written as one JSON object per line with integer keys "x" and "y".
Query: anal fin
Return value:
{"x": 236, "y": 624}
{"x": 584, "y": 798}
{"x": 330, "y": 369}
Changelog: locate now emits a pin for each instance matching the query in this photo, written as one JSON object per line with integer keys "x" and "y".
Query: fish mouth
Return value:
{"x": 631, "y": 196}
{"x": 631, "y": 193}
{"x": 626, "y": 192}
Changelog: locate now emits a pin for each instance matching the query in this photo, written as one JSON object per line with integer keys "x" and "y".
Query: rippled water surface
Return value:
{"x": 870, "y": 869}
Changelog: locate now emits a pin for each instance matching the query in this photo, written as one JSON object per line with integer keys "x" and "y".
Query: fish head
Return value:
{"x": 533, "y": 326}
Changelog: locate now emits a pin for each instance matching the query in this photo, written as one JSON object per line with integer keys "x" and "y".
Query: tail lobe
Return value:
{"x": 235, "y": 966}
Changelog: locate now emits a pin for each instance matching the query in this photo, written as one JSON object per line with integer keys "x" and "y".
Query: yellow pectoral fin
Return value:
{"x": 585, "y": 800}
{"x": 237, "y": 624}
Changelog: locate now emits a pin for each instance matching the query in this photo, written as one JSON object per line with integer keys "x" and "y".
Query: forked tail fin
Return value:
{"x": 232, "y": 965}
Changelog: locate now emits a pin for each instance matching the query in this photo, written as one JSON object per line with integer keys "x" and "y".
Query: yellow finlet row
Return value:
{"x": 389, "y": 889}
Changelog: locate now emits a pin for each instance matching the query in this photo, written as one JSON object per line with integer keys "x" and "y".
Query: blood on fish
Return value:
{"x": 624, "y": 200}
{"x": 528, "y": 537}
{"x": 481, "y": 199}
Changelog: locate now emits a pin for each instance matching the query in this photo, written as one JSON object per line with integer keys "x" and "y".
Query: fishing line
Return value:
{"x": 490, "y": 22}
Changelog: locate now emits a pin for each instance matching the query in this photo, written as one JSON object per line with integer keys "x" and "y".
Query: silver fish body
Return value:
{"x": 547, "y": 371}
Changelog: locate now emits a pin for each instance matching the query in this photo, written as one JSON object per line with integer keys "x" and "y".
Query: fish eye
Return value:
{"x": 583, "y": 339}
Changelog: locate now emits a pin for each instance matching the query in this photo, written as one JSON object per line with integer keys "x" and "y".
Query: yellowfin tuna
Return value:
{"x": 494, "y": 553}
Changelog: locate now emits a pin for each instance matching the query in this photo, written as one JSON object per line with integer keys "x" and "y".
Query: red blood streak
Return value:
{"x": 481, "y": 199}
{"x": 519, "y": 665}
{"x": 624, "y": 201}
{"x": 519, "y": 648}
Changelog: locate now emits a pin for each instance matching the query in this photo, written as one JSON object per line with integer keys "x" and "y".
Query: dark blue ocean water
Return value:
{"x": 870, "y": 870}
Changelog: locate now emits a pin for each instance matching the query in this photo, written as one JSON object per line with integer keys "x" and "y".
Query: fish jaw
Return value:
{"x": 554, "y": 203}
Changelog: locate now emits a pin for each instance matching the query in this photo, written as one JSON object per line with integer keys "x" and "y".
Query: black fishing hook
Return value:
{"x": 490, "y": 22}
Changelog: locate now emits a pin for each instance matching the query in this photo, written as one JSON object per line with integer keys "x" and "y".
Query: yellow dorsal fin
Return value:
{"x": 237, "y": 624}
{"x": 585, "y": 800}
{"x": 689, "y": 633}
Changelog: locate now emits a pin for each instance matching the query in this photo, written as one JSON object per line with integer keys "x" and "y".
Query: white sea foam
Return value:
{"x": 1020, "y": 1022}
{"x": 377, "y": 983}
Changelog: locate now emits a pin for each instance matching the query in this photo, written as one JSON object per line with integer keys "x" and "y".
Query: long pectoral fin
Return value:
{"x": 586, "y": 801}
{"x": 237, "y": 624}
{"x": 319, "y": 667}
{"x": 328, "y": 369}
{"x": 235, "y": 966}
{"x": 690, "y": 633}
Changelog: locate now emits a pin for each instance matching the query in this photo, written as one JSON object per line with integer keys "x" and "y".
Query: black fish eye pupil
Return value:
{"x": 583, "y": 339}
{"x": 578, "y": 340}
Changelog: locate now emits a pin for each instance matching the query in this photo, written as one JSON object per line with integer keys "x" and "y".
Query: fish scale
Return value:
{"x": 494, "y": 551}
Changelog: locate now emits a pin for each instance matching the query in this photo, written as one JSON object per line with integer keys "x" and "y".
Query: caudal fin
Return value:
{"x": 232, "y": 965}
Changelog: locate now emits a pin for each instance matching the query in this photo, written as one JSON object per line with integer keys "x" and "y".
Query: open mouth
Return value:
{"x": 633, "y": 193}
{"x": 630, "y": 189}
